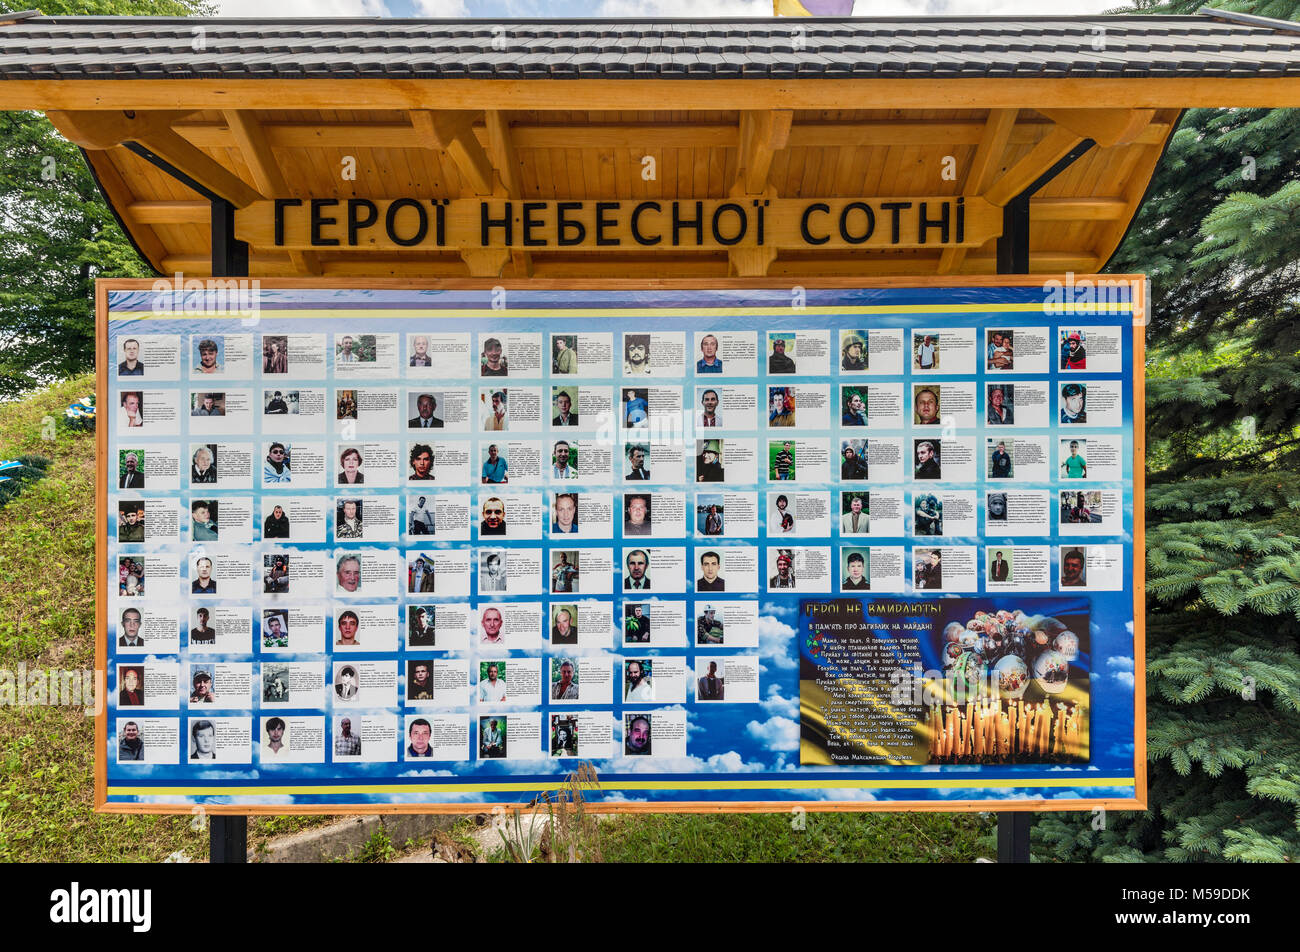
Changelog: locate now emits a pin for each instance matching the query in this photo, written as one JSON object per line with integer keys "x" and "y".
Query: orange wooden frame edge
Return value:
{"x": 1139, "y": 319}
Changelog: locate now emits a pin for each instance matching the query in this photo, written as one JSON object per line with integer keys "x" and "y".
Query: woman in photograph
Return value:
{"x": 350, "y": 460}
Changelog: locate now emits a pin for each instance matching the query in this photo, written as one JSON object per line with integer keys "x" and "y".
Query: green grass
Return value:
{"x": 773, "y": 838}
{"x": 47, "y": 568}
{"x": 47, "y": 620}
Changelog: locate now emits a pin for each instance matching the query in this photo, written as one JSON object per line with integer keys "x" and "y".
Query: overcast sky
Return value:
{"x": 633, "y": 8}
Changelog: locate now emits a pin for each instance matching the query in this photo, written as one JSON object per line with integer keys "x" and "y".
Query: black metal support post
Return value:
{"x": 228, "y": 835}
{"x": 1013, "y": 258}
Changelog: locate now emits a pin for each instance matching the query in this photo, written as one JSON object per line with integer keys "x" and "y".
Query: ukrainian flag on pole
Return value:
{"x": 812, "y": 8}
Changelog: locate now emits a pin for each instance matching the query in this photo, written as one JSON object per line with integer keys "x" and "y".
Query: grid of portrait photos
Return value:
{"x": 392, "y": 544}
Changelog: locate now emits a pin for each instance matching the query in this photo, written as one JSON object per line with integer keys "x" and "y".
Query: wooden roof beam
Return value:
{"x": 993, "y": 143}
{"x": 153, "y": 130}
{"x": 1106, "y": 127}
{"x": 262, "y": 164}
{"x": 504, "y": 158}
{"x": 762, "y": 134}
{"x": 1051, "y": 149}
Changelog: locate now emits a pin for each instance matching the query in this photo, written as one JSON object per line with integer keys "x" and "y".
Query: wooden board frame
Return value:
{"x": 1139, "y": 321}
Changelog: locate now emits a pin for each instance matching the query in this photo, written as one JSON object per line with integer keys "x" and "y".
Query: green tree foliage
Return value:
{"x": 57, "y": 235}
{"x": 1220, "y": 237}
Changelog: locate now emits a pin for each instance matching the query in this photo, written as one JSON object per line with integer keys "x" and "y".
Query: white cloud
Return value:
{"x": 778, "y": 705}
{"x": 442, "y": 9}
{"x": 774, "y": 642}
{"x": 1124, "y": 677}
{"x": 1120, "y": 662}
{"x": 776, "y": 733}
{"x": 302, "y": 8}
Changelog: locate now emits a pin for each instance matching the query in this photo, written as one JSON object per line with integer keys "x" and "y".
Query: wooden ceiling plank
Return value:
{"x": 1106, "y": 127}
{"x": 1041, "y": 157}
{"x": 977, "y": 176}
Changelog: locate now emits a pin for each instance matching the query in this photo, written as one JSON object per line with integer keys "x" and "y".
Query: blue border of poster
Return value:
{"x": 764, "y": 738}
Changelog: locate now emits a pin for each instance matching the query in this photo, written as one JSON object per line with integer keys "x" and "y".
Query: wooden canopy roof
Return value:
{"x": 634, "y": 110}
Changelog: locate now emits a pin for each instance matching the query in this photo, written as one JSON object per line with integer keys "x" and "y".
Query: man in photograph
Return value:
{"x": 202, "y": 528}
{"x": 130, "y": 630}
{"x": 780, "y": 406}
{"x": 565, "y": 688}
{"x": 785, "y": 518}
{"x": 207, "y": 358}
{"x": 420, "y": 351}
{"x": 348, "y": 573}
{"x": 1072, "y": 404}
{"x": 853, "y": 353}
{"x": 276, "y": 468}
{"x": 1000, "y": 462}
{"x": 494, "y": 518}
{"x": 636, "y": 624}
{"x": 276, "y": 525}
{"x": 637, "y": 741}
{"x": 422, "y": 520}
{"x": 347, "y": 627}
{"x": 561, "y": 468}
{"x": 425, "y": 405}
{"x": 636, "y": 355}
{"x": 275, "y": 727}
{"x": 203, "y": 737}
{"x": 495, "y": 467}
{"x": 492, "y": 576}
{"x": 709, "y": 417}
{"x": 710, "y": 580}
{"x": 853, "y": 465}
{"x": 1073, "y": 569}
{"x": 565, "y": 360}
{"x": 1075, "y": 466}
{"x": 779, "y": 362}
{"x": 130, "y": 745}
{"x": 1001, "y": 412}
{"x": 491, "y": 625}
{"x": 925, "y": 353}
{"x": 927, "y": 407}
{"x": 640, "y": 686}
{"x": 857, "y": 519}
{"x": 566, "y": 514}
{"x": 419, "y": 734}
{"x": 997, "y": 507}
{"x": 927, "y": 467}
{"x": 206, "y": 406}
{"x": 856, "y": 579}
{"x": 130, "y": 365}
{"x": 204, "y": 583}
{"x": 563, "y": 411}
{"x": 1074, "y": 357}
{"x": 709, "y": 629}
{"x": 636, "y": 517}
{"x": 346, "y": 743}
{"x": 131, "y": 528}
{"x": 999, "y": 568}
{"x": 276, "y": 635}
{"x": 709, "y": 362}
{"x": 784, "y": 577}
{"x": 202, "y": 634}
{"x": 711, "y": 686}
{"x": 132, "y": 477}
{"x": 421, "y": 460}
{"x": 495, "y": 420}
{"x": 494, "y": 364}
{"x": 929, "y": 573}
{"x": 564, "y": 631}
{"x": 346, "y": 687}
{"x": 855, "y": 410}
{"x": 783, "y": 461}
{"x": 564, "y": 576}
{"x": 132, "y": 412}
{"x": 131, "y": 693}
{"x": 422, "y": 575}
{"x": 492, "y": 739}
{"x": 492, "y": 688}
{"x": 346, "y": 355}
{"x": 419, "y": 684}
{"x": 202, "y": 693}
{"x": 276, "y": 404}
{"x": 636, "y": 459}
{"x": 638, "y": 561}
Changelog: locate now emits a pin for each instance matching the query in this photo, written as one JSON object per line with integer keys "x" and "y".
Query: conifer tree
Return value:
{"x": 1219, "y": 234}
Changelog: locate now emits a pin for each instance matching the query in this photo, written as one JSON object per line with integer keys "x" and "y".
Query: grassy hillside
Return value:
{"x": 47, "y": 620}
